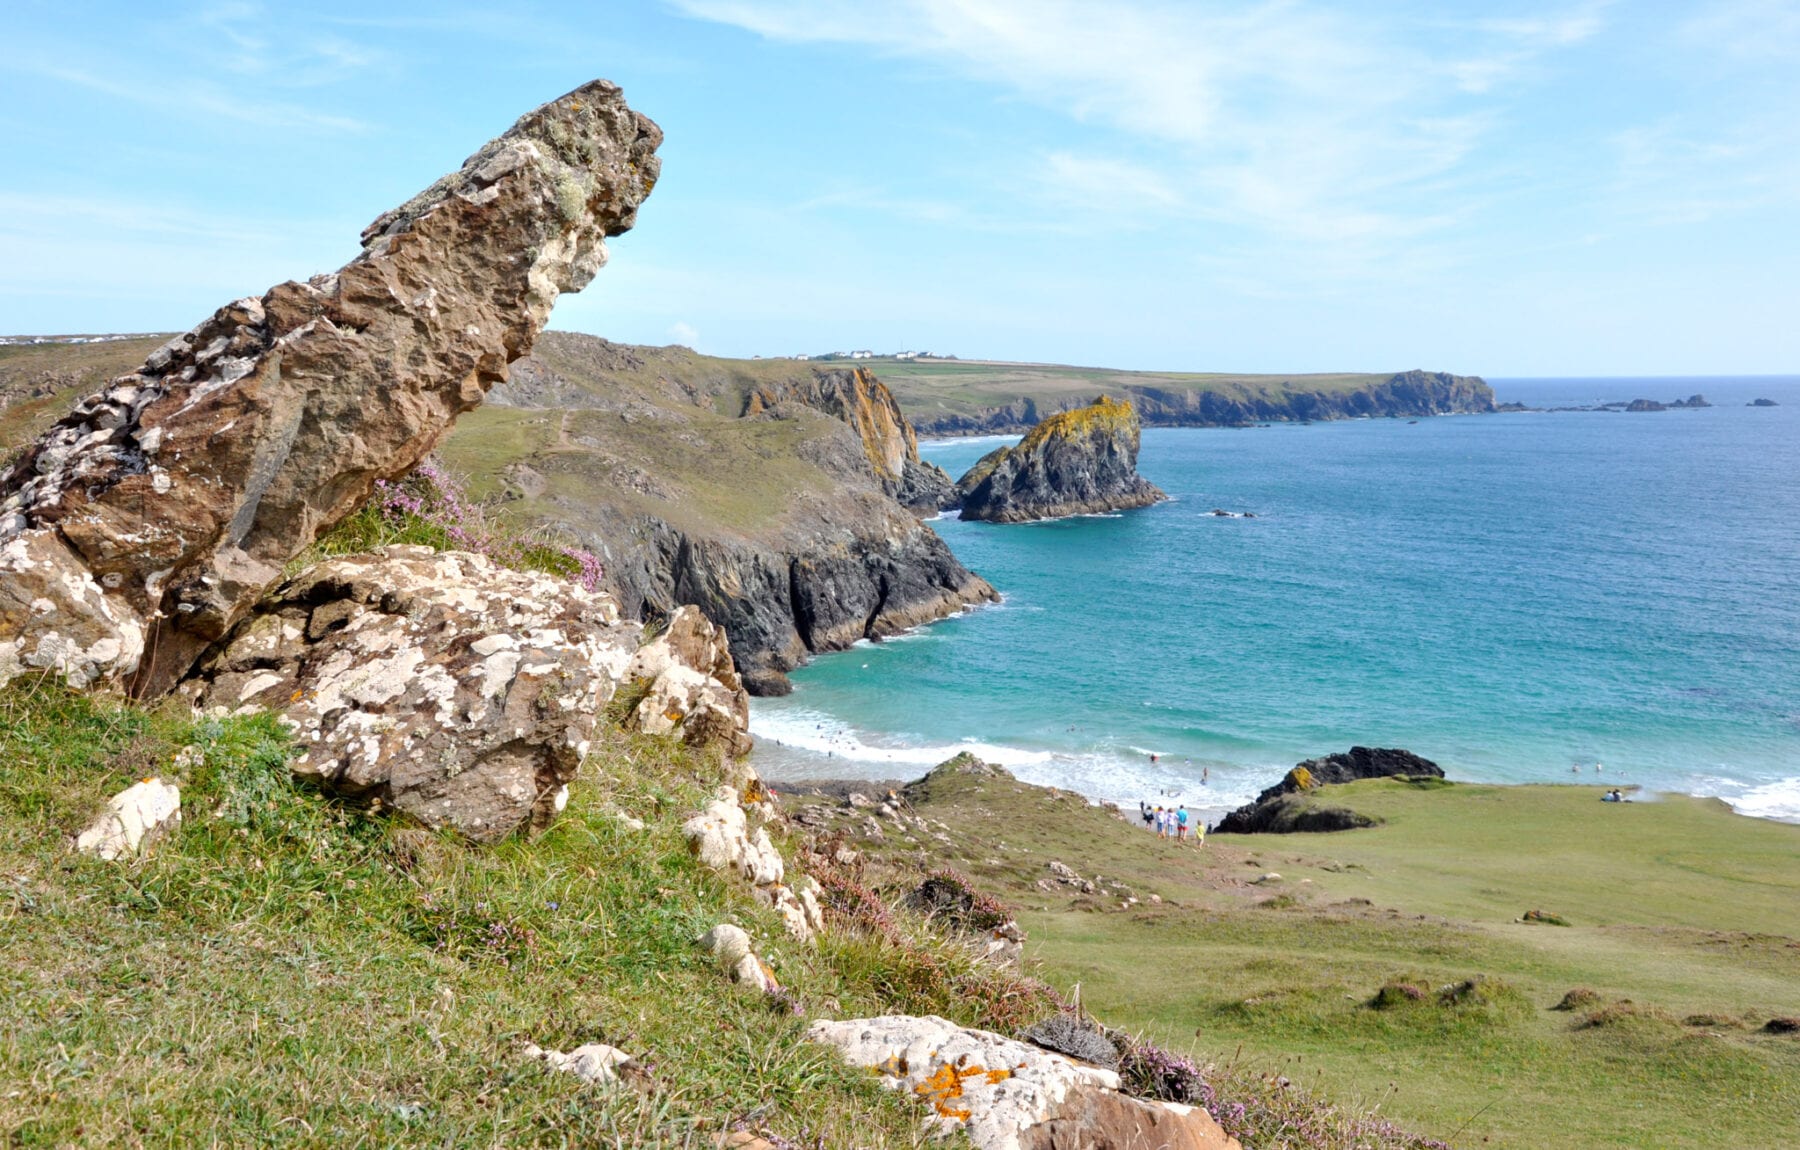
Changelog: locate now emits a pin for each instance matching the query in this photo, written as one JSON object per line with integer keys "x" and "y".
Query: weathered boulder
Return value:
{"x": 154, "y": 515}
{"x": 436, "y": 683}
{"x": 693, "y": 685}
{"x": 134, "y": 819}
{"x": 1281, "y": 809}
{"x": 731, "y": 949}
{"x": 1009, "y": 1095}
{"x": 1074, "y": 463}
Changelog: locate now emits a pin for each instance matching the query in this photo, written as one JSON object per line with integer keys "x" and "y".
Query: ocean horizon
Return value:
{"x": 1595, "y": 597}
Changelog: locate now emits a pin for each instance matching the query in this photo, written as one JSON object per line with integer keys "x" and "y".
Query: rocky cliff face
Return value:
{"x": 156, "y": 513}
{"x": 1073, "y": 463}
{"x": 768, "y": 493}
{"x": 1409, "y": 393}
{"x": 856, "y": 397}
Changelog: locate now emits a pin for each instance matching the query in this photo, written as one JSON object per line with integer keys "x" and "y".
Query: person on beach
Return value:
{"x": 1149, "y": 815}
{"x": 1181, "y": 824}
{"x": 1162, "y": 822}
{"x": 1204, "y": 772}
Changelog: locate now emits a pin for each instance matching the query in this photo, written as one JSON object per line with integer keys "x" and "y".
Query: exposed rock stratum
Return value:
{"x": 147, "y": 521}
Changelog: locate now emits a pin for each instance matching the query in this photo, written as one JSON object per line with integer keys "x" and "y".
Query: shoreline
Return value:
{"x": 884, "y": 776}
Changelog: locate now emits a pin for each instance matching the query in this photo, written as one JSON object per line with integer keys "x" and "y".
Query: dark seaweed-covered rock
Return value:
{"x": 1075, "y": 463}
{"x": 1282, "y": 808}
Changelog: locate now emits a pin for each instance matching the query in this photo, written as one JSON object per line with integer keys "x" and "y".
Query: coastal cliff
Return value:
{"x": 1176, "y": 401}
{"x": 1078, "y": 462}
{"x": 773, "y": 495}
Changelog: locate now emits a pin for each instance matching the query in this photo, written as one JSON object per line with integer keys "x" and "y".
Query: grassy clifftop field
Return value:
{"x": 1390, "y": 967}
{"x": 974, "y": 397}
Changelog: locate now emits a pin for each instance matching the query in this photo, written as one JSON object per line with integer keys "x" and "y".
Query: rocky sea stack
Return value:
{"x": 1284, "y": 807}
{"x": 1078, "y": 462}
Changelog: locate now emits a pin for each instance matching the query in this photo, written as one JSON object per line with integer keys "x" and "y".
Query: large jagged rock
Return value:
{"x": 436, "y": 683}
{"x": 889, "y": 443}
{"x": 1283, "y": 809}
{"x": 1008, "y": 1095}
{"x": 142, "y": 526}
{"x": 1075, "y": 463}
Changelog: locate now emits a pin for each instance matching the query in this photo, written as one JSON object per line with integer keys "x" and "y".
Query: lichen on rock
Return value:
{"x": 439, "y": 684}
{"x": 140, "y": 528}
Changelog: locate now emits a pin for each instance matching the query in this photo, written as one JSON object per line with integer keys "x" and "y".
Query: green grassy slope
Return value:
{"x": 284, "y": 971}
{"x": 1688, "y": 911}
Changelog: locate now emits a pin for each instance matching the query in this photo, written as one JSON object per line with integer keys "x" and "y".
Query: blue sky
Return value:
{"x": 1501, "y": 188}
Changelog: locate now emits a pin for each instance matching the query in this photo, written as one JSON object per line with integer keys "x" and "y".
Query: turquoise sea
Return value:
{"x": 1512, "y": 595}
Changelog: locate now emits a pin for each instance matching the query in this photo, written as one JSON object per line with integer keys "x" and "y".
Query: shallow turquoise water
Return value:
{"x": 1510, "y": 595}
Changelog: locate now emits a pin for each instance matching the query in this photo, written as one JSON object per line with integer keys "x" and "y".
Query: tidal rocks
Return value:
{"x": 1762, "y": 403}
{"x": 1282, "y": 808}
{"x": 1074, "y": 463}
{"x": 1639, "y": 405}
{"x": 438, "y": 684}
{"x": 1008, "y": 1095}
{"x": 154, "y": 515}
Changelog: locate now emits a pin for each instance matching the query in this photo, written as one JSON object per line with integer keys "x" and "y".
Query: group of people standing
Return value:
{"x": 1172, "y": 823}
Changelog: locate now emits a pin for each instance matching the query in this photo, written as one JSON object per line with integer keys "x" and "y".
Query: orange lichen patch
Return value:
{"x": 1302, "y": 778}
{"x": 754, "y": 792}
{"x": 1104, "y": 414}
{"x": 946, "y": 1085}
{"x": 674, "y": 715}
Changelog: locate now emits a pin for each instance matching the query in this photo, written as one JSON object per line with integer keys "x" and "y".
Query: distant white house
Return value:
{"x": 862, "y": 355}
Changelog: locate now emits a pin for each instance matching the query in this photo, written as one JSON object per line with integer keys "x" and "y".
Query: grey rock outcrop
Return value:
{"x": 1008, "y": 1095}
{"x": 1280, "y": 809}
{"x": 1074, "y": 463}
{"x": 156, "y": 513}
{"x": 460, "y": 693}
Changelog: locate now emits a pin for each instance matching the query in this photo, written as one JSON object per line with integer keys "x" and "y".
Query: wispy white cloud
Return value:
{"x": 1288, "y": 118}
{"x": 199, "y": 97}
